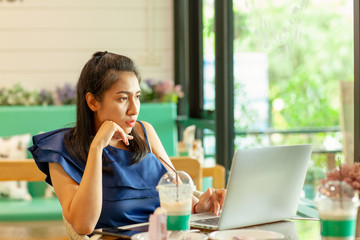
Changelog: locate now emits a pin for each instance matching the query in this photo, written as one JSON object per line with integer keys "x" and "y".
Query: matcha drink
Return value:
{"x": 337, "y": 205}
{"x": 338, "y": 224}
{"x": 176, "y": 198}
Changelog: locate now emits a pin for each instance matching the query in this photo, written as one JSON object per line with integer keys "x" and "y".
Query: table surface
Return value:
{"x": 302, "y": 229}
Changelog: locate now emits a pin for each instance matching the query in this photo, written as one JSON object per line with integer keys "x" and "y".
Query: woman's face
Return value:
{"x": 121, "y": 103}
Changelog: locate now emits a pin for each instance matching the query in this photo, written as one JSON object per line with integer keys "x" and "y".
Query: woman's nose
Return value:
{"x": 133, "y": 107}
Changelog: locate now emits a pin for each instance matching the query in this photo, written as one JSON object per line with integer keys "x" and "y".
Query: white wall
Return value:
{"x": 45, "y": 43}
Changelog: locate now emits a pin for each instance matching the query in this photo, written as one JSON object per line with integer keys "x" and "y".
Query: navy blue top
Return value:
{"x": 129, "y": 191}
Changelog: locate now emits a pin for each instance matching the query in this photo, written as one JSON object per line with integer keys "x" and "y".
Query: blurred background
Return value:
{"x": 245, "y": 73}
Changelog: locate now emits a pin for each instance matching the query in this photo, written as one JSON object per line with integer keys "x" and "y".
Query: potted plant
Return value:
{"x": 37, "y": 111}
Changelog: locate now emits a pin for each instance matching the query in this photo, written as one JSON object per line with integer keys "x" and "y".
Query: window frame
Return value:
{"x": 356, "y": 6}
{"x": 188, "y": 52}
{"x": 189, "y": 73}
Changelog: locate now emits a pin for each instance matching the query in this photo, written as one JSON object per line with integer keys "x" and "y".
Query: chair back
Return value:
{"x": 218, "y": 175}
{"x": 191, "y": 166}
{"x": 194, "y": 168}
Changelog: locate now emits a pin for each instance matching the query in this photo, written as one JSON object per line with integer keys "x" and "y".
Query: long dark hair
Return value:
{"x": 97, "y": 76}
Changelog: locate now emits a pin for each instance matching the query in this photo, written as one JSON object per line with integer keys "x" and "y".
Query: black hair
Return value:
{"x": 97, "y": 76}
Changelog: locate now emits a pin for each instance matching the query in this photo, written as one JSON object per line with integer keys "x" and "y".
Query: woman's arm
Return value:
{"x": 158, "y": 149}
{"x": 82, "y": 203}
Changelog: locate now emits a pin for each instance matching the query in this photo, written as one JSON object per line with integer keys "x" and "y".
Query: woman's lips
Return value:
{"x": 130, "y": 123}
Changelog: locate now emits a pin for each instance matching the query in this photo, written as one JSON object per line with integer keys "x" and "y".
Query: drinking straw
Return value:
{"x": 176, "y": 175}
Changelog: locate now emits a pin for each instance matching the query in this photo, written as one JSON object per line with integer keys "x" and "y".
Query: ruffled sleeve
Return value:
{"x": 50, "y": 148}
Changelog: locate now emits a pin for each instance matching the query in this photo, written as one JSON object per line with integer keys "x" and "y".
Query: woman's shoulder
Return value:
{"x": 55, "y": 132}
{"x": 143, "y": 124}
{"x": 49, "y": 147}
{"x": 53, "y": 140}
{"x": 148, "y": 132}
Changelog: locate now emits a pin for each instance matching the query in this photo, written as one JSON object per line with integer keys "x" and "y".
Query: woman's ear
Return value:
{"x": 92, "y": 102}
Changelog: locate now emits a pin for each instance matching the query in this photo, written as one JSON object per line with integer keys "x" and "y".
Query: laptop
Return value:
{"x": 264, "y": 186}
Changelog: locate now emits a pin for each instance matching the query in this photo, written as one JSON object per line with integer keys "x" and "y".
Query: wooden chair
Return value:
{"x": 217, "y": 173}
{"x": 27, "y": 170}
{"x": 193, "y": 167}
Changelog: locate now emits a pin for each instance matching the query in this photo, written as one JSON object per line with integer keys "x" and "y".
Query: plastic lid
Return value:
{"x": 169, "y": 178}
{"x": 337, "y": 190}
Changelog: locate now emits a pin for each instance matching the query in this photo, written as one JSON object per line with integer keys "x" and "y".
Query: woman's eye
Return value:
{"x": 122, "y": 99}
{"x": 138, "y": 96}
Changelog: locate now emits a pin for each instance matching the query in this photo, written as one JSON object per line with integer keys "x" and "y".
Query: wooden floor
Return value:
{"x": 36, "y": 230}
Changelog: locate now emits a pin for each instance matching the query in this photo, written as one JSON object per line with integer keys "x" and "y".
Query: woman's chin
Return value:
{"x": 128, "y": 130}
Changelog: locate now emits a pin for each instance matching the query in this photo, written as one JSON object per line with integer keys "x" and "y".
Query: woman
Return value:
{"x": 105, "y": 170}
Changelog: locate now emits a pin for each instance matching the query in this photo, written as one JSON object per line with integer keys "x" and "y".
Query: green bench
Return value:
{"x": 37, "y": 209}
{"x": 15, "y": 120}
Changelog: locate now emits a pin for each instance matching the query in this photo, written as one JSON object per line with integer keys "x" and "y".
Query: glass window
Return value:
{"x": 209, "y": 76}
{"x": 290, "y": 61}
{"x": 209, "y": 54}
{"x": 293, "y": 77}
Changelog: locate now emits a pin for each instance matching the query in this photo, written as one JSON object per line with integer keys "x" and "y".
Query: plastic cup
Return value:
{"x": 337, "y": 206}
{"x": 176, "y": 198}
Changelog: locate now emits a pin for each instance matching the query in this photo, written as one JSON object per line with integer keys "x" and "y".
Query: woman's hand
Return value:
{"x": 108, "y": 131}
{"x": 211, "y": 201}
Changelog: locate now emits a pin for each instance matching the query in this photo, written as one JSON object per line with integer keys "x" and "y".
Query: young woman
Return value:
{"x": 105, "y": 169}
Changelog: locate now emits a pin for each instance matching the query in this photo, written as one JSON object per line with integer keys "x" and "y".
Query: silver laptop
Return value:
{"x": 264, "y": 186}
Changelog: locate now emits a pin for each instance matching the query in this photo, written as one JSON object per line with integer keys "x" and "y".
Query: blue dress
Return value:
{"x": 129, "y": 191}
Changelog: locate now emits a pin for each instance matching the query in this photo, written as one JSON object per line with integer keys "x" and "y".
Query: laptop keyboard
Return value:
{"x": 209, "y": 221}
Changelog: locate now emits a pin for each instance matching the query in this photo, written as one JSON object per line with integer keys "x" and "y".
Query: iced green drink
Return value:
{"x": 177, "y": 200}
{"x": 337, "y": 205}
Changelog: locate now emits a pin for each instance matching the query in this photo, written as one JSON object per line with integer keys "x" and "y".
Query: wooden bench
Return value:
{"x": 37, "y": 209}
{"x": 16, "y": 120}
{"x": 39, "y": 218}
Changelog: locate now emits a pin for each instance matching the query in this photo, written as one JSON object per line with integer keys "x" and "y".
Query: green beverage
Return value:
{"x": 176, "y": 198}
{"x": 178, "y": 214}
{"x": 338, "y": 225}
{"x": 337, "y": 206}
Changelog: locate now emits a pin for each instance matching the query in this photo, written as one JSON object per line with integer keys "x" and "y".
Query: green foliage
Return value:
{"x": 307, "y": 229}
{"x": 18, "y": 95}
{"x": 314, "y": 175}
{"x": 309, "y": 51}
{"x": 302, "y": 94}
{"x": 161, "y": 91}
{"x": 245, "y": 115}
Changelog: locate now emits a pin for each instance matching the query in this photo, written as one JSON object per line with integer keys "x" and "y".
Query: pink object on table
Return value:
{"x": 157, "y": 225}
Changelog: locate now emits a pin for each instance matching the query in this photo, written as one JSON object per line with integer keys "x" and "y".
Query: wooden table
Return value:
{"x": 304, "y": 229}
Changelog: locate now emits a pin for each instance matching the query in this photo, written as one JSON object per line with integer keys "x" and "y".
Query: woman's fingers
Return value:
{"x": 205, "y": 202}
{"x": 121, "y": 135}
{"x": 221, "y": 193}
{"x": 212, "y": 200}
{"x": 110, "y": 130}
{"x": 215, "y": 200}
